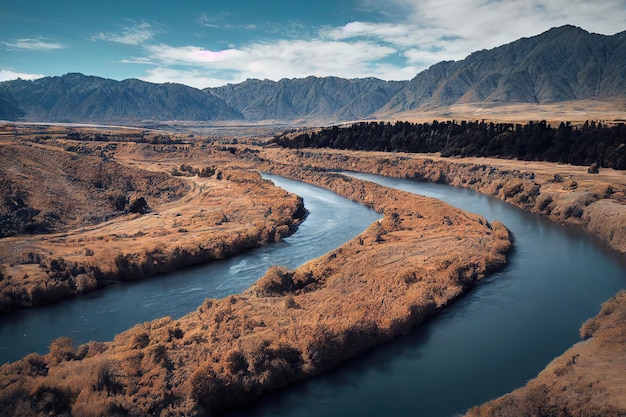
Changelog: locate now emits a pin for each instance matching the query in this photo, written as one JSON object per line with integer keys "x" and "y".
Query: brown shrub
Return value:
{"x": 277, "y": 279}
{"x": 212, "y": 391}
{"x": 62, "y": 349}
{"x": 52, "y": 400}
{"x": 106, "y": 379}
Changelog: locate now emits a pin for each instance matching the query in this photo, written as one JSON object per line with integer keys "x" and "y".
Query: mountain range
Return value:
{"x": 562, "y": 64}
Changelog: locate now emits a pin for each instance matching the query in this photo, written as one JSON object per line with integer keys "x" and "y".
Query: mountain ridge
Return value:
{"x": 75, "y": 97}
{"x": 562, "y": 64}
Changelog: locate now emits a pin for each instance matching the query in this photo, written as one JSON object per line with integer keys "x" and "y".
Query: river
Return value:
{"x": 100, "y": 315}
{"x": 502, "y": 333}
{"x": 495, "y": 338}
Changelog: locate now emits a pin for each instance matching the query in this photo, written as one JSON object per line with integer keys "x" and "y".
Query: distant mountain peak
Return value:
{"x": 564, "y": 63}
{"x": 75, "y": 97}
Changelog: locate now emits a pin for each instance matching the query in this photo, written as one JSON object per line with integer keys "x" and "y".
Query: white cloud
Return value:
{"x": 457, "y": 28}
{"x": 34, "y": 45}
{"x": 136, "y": 34}
{"x": 280, "y": 59}
{"x": 191, "y": 77}
{"x": 6, "y": 75}
{"x": 415, "y": 35}
{"x": 191, "y": 55}
{"x": 401, "y": 35}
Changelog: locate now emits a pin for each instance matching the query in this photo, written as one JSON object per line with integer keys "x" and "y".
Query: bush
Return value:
{"x": 214, "y": 392}
{"x": 62, "y": 349}
{"x": 237, "y": 364}
{"x": 118, "y": 201}
{"x": 138, "y": 205}
{"x": 106, "y": 379}
{"x": 277, "y": 279}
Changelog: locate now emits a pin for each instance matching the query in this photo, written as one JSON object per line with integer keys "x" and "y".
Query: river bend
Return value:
{"x": 100, "y": 315}
{"x": 502, "y": 333}
{"x": 494, "y": 339}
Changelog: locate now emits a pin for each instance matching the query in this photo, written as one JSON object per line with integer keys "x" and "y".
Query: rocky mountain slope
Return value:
{"x": 81, "y": 98}
{"x": 562, "y": 64}
{"x": 311, "y": 97}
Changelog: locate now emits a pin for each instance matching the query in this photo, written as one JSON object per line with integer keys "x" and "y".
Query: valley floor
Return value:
{"x": 290, "y": 324}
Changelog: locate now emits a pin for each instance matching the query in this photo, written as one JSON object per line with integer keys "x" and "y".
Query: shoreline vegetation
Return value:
{"x": 293, "y": 324}
{"x": 75, "y": 220}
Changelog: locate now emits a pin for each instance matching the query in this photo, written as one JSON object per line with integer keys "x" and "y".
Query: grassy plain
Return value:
{"x": 576, "y": 112}
{"x": 73, "y": 224}
{"x": 289, "y": 325}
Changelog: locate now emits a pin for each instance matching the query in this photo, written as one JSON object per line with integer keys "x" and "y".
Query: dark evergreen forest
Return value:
{"x": 591, "y": 143}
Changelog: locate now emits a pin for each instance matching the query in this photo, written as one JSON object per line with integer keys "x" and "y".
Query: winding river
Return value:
{"x": 494, "y": 339}
{"x": 491, "y": 341}
{"x": 100, "y": 315}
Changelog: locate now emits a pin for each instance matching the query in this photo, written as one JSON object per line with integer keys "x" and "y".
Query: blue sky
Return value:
{"x": 212, "y": 43}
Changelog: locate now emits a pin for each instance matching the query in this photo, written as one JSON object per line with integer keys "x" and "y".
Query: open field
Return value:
{"x": 577, "y": 112}
{"x": 290, "y": 324}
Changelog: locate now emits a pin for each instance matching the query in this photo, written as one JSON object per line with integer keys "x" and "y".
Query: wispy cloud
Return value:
{"x": 6, "y": 75}
{"x": 218, "y": 21}
{"x": 399, "y": 34}
{"x": 398, "y": 46}
{"x": 271, "y": 60}
{"x": 135, "y": 34}
{"x": 30, "y": 44}
{"x": 455, "y": 29}
{"x": 211, "y": 21}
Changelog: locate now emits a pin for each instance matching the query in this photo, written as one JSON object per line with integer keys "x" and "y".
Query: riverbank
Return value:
{"x": 75, "y": 219}
{"x": 290, "y": 325}
{"x": 587, "y": 380}
{"x": 565, "y": 194}
{"x": 150, "y": 355}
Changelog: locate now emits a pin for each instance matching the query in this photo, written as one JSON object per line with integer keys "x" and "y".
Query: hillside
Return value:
{"x": 81, "y": 98}
{"x": 562, "y": 64}
{"x": 309, "y": 98}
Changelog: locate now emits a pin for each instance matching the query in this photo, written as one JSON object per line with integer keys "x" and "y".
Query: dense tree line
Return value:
{"x": 535, "y": 141}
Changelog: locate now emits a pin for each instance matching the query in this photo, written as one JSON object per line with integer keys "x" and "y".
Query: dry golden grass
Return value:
{"x": 292, "y": 324}
{"x": 589, "y": 379}
{"x": 91, "y": 240}
{"x": 563, "y": 193}
{"x": 576, "y": 111}
{"x": 289, "y": 325}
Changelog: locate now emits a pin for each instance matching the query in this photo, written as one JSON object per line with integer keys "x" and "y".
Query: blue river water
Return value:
{"x": 502, "y": 333}
{"x": 494, "y": 339}
{"x": 100, "y": 315}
